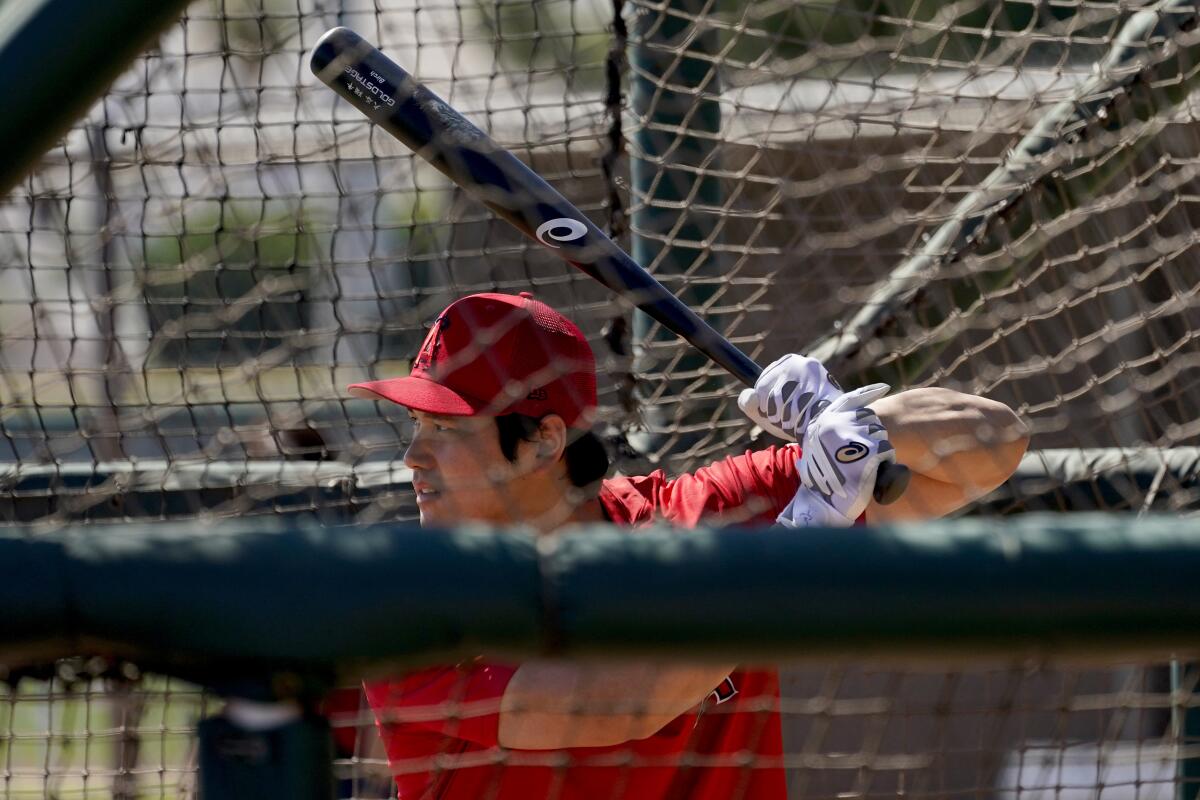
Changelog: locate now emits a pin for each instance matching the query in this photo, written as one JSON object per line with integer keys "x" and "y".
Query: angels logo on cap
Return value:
{"x": 432, "y": 340}
{"x": 498, "y": 354}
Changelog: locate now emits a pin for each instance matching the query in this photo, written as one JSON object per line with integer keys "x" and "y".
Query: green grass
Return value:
{"x": 66, "y": 744}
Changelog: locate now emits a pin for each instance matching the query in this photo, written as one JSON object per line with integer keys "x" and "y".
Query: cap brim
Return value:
{"x": 419, "y": 394}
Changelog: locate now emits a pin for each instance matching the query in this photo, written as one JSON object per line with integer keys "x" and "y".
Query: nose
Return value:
{"x": 416, "y": 455}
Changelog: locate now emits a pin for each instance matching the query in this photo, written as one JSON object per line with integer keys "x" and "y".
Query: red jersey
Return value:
{"x": 440, "y": 725}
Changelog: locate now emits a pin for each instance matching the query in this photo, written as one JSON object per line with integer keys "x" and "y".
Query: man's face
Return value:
{"x": 459, "y": 472}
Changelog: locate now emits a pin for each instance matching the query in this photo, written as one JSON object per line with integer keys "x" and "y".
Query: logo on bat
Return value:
{"x": 851, "y": 452}
{"x": 549, "y": 230}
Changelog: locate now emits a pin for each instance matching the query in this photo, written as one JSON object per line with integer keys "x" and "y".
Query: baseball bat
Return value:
{"x": 395, "y": 101}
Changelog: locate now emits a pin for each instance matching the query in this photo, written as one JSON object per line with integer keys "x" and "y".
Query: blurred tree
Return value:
{"x": 762, "y": 36}
{"x": 774, "y": 38}
{"x": 554, "y": 37}
{"x": 247, "y": 276}
{"x": 232, "y": 285}
{"x": 253, "y": 29}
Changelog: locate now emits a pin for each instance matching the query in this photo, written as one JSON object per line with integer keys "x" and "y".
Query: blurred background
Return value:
{"x": 196, "y": 271}
{"x": 191, "y": 277}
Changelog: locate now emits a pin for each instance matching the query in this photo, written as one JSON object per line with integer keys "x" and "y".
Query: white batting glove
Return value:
{"x": 809, "y": 510}
{"x": 843, "y": 448}
{"x": 788, "y": 395}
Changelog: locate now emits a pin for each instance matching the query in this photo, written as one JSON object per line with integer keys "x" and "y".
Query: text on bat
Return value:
{"x": 368, "y": 86}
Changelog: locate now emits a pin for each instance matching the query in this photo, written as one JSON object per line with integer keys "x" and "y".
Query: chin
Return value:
{"x": 430, "y": 519}
{"x": 439, "y": 514}
{"x": 436, "y": 515}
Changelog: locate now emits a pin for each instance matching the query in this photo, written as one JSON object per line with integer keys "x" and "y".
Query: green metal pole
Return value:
{"x": 674, "y": 88}
{"x": 57, "y": 57}
{"x": 259, "y": 595}
{"x": 1185, "y": 721}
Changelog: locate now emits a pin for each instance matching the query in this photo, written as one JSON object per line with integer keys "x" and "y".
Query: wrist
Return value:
{"x": 807, "y": 509}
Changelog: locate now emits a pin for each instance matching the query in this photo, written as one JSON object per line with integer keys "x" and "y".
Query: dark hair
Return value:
{"x": 587, "y": 460}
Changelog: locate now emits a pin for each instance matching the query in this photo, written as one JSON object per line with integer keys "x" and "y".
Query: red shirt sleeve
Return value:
{"x": 462, "y": 701}
{"x": 748, "y": 489}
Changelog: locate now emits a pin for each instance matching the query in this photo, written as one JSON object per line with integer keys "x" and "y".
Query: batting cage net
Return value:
{"x": 998, "y": 198}
{"x": 1006, "y": 729}
{"x": 1042, "y": 657}
{"x": 1003, "y": 730}
{"x": 196, "y": 272}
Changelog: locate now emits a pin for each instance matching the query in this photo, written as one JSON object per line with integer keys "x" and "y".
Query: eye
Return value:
{"x": 437, "y": 425}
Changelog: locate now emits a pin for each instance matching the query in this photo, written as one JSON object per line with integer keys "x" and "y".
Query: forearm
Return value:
{"x": 553, "y": 704}
{"x": 946, "y": 435}
{"x": 959, "y": 447}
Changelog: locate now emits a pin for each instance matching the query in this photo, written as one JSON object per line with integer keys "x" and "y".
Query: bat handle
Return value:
{"x": 890, "y": 482}
{"x": 892, "y": 478}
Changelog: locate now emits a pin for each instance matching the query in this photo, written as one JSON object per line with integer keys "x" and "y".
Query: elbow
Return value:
{"x": 979, "y": 442}
{"x": 1011, "y": 436}
{"x": 1003, "y": 437}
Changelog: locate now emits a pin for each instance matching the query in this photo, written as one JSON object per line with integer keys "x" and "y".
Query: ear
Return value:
{"x": 549, "y": 441}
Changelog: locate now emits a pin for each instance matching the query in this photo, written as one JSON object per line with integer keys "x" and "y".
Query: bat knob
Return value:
{"x": 890, "y": 482}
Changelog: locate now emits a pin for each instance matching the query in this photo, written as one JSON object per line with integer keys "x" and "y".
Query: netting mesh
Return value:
{"x": 1007, "y": 730}
{"x": 215, "y": 252}
{"x": 195, "y": 273}
{"x": 74, "y": 736}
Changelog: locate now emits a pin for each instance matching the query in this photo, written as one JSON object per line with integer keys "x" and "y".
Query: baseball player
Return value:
{"x": 501, "y": 396}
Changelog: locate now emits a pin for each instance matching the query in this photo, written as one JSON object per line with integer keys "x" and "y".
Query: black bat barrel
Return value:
{"x": 390, "y": 97}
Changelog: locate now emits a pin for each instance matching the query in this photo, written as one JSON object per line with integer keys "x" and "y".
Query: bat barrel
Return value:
{"x": 393, "y": 99}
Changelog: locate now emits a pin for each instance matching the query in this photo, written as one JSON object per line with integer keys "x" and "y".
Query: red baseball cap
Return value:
{"x": 497, "y": 354}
